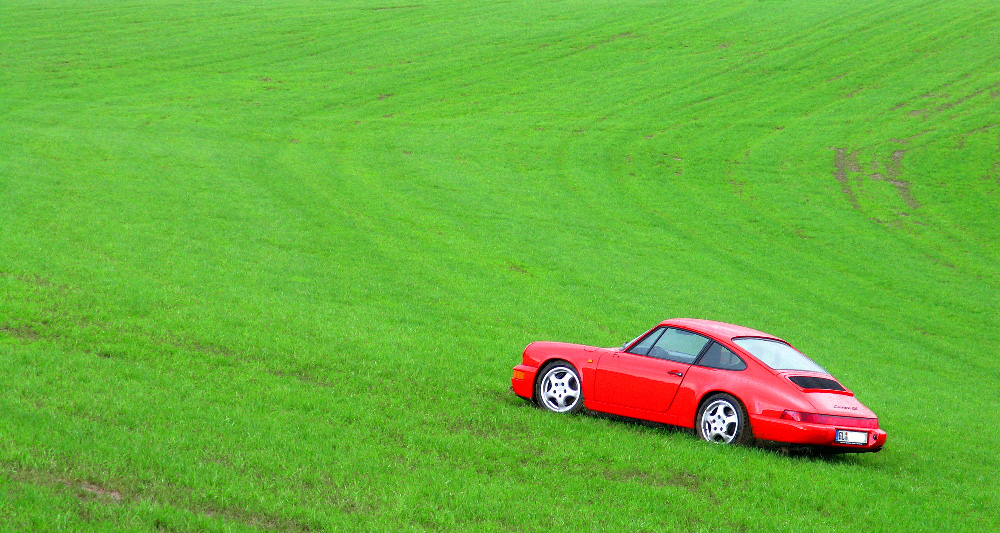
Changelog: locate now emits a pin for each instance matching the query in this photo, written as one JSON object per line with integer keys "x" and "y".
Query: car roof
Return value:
{"x": 719, "y": 330}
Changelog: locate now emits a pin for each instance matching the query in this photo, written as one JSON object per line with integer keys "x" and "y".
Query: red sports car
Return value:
{"x": 730, "y": 383}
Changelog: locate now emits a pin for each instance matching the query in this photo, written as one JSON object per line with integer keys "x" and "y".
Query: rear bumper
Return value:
{"x": 792, "y": 432}
{"x": 523, "y": 381}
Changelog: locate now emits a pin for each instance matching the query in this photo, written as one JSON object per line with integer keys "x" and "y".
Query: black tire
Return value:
{"x": 558, "y": 388}
{"x": 722, "y": 419}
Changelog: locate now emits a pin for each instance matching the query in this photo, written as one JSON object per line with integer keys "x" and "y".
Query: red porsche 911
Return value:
{"x": 729, "y": 383}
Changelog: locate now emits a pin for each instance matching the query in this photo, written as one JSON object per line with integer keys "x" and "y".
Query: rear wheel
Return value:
{"x": 559, "y": 389}
{"x": 723, "y": 420}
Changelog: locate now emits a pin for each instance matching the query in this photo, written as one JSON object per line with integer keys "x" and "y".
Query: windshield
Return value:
{"x": 778, "y": 355}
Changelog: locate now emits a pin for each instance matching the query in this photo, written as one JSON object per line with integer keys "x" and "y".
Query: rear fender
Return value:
{"x": 690, "y": 420}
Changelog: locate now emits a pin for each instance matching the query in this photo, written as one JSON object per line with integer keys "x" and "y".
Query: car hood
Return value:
{"x": 537, "y": 352}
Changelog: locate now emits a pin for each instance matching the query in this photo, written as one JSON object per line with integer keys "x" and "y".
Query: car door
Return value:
{"x": 647, "y": 375}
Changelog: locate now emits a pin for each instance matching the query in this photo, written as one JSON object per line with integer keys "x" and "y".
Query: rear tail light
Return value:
{"x": 831, "y": 420}
{"x": 792, "y": 415}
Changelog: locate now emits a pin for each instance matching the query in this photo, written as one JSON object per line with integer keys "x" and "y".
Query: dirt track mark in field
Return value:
{"x": 965, "y": 136}
{"x": 962, "y": 100}
{"x": 842, "y": 161}
{"x": 892, "y": 172}
{"x": 303, "y": 377}
{"x": 845, "y": 162}
{"x": 256, "y": 520}
{"x": 180, "y": 342}
{"x": 520, "y": 269}
{"x": 25, "y": 333}
{"x": 995, "y": 171}
{"x": 383, "y": 8}
{"x": 613, "y": 38}
{"x": 676, "y": 478}
{"x": 84, "y": 489}
{"x": 738, "y": 187}
{"x": 959, "y": 101}
{"x": 101, "y": 491}
{"x": 31, "y": 279}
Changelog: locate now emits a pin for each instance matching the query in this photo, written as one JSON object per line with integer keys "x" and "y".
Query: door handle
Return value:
{"x": 676, "y": 373}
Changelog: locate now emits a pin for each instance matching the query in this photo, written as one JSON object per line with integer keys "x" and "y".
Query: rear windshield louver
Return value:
{"x": 809, "y": 382}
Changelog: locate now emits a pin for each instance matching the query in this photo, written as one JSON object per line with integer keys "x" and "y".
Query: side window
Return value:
{"x": 679, "y": 345}
{"x": 718, "y": 356}
{"x": 645, "y": 344}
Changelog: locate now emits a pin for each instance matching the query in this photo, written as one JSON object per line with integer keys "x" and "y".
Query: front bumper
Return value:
{"x": 792, "y": 432}
{"x": 523, "y": 381}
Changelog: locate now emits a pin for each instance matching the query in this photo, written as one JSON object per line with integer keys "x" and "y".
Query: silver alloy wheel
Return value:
{"x": 559, "y": 389}
{"x": 720, "y": 422}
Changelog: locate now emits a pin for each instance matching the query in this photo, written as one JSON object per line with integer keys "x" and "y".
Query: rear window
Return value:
{"x": 778, "y": 355}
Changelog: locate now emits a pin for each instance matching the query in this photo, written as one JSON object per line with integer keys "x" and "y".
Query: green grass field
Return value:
{"x": 267, "y": 265}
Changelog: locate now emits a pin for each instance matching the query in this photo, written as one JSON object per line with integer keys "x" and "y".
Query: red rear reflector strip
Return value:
{"x": 831, "y": 420}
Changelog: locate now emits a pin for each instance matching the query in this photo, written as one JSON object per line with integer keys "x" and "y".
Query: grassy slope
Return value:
{"x": 268, "y": 265}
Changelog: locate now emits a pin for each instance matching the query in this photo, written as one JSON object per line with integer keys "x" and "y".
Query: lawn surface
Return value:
{"x": 267, "y": 265}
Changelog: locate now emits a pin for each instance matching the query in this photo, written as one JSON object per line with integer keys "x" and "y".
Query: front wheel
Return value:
{"x": 723, "y": 420}
{"x": 559, "y": 390}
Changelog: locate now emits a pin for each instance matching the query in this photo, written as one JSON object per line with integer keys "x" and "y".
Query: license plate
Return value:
{"x": 852, "y": 437}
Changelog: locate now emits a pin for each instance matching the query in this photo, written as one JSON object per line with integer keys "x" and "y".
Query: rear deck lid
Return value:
{"x": 838, "y": 404}
{"x": 827, "y": 395}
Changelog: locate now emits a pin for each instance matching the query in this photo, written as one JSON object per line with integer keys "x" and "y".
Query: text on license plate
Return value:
{"x": 852, "y": 437}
